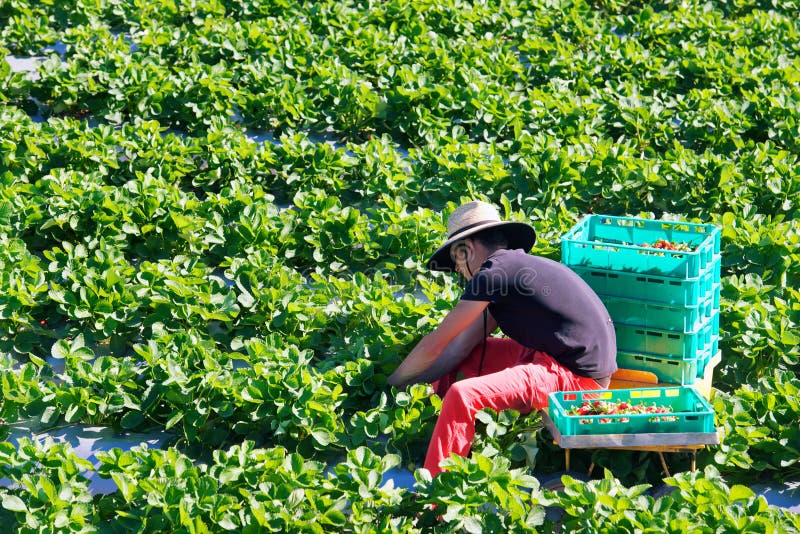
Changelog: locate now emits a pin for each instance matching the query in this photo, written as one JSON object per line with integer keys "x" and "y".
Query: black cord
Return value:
{"x": 483, "y": 350}
{"x": 485, "y": 315}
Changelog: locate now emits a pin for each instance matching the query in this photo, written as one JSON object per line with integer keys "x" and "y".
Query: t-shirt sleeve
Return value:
{"x": 483, "y": 287}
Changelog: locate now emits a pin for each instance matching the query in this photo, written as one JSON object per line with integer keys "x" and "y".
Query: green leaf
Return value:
{"x": 453, "y": 512}
{"x": 740, "y": 493}
{"x": 126, "y": 484}
{"x": 130, "y": 229}
{"x": 61, "y": 520}
{"x": 84, "y": 353}
{"x": 181, "y": 221}
{"x": 33, "y": 149}
{"x": 323, "y": 437}
{"x": 228, "y": 523}
{"x": 49, "y": 490}
{"x": 335, "y": 517}
{"x": 473, "y": 525}
{"x": 230, "y": 474}
{"x": 60, "y": 349}
{"x": 14, "y": 503}
{"x": 174, "y": 420}
{"x": 789, "y": 338}
{"x": 246, "y": 299}
{"x": 74, "y": 413}
{"x": 50, "y": 415}
{"x": 132, "y": 419}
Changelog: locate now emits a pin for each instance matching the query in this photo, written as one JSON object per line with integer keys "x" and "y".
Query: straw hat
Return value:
{"x": 471, "y": 218}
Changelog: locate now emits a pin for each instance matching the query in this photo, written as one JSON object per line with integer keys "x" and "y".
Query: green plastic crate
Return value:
{"x": 667, "y": 343}
{"x": 683, "y": 372}
{"x": 691, "y": 413}
{"x": 657, "y": 289}
{"x": 685, "y": 319}
{"x": 615, "y": 243}
{"x": 706, "y": 356}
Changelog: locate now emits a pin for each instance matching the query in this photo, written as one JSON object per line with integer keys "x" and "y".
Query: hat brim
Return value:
{"x": 519, "y": 234}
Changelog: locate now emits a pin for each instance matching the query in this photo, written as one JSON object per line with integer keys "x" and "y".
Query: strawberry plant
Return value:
{"x": 373, "y": 504}
{"x": 15, "y": 89}
{"x": 392, "y": 420}
{"x": 758, "y": 432}
{"x": 761, "y": 329}
{"x": 24, "y": 308}
{"x": 93, "y": 285}
{"x": 481, "y": 492}
{"x": 22, "y": 394}
{"x": 51, "y": 491}
{"x": 26, "y": 28}
{"x": 599, "y": 504}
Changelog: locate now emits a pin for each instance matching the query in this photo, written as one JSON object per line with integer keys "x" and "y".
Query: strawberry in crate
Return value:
{"x": 616, "y": 409}
{"x": 665, "y": 244}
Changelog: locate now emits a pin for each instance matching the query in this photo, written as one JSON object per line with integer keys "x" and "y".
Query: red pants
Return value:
{"x": 512, "y": 377}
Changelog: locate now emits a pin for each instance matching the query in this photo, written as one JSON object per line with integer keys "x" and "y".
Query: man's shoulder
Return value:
{"x": 514, "y": 263}
{"x": 518, "y": 257}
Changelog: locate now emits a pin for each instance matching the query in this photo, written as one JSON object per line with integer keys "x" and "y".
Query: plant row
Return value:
{"x": 695, "y": 74}
{"x": 250, "y": 489}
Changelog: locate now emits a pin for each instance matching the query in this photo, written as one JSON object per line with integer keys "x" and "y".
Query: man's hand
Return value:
{"x": 461, "y": 320}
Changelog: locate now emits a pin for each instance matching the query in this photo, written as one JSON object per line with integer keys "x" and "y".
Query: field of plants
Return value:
{"x": 214, "y": 218}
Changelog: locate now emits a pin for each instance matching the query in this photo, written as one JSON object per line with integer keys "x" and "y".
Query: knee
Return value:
{"x": 460, "y": 394}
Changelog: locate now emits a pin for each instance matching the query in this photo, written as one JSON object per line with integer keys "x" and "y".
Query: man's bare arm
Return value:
{"x": 459, "y": 348}
{"x": 460, "y": 319}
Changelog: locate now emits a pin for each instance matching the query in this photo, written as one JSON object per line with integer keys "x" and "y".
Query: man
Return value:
{"x": 559, "y": 336}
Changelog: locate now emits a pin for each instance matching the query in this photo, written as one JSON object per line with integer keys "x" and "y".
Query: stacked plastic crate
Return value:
{"x": 664, "y": 301}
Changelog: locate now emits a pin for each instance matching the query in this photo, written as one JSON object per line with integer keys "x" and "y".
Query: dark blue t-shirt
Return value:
{"x": 544, "y": 305}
